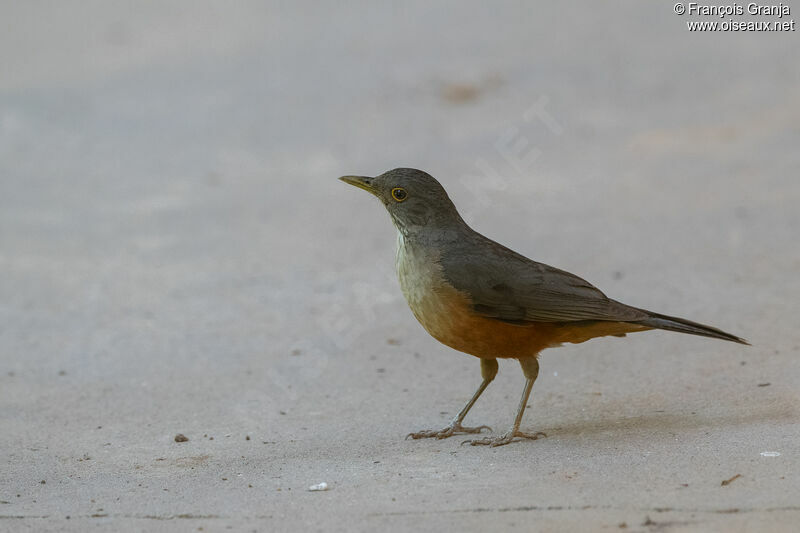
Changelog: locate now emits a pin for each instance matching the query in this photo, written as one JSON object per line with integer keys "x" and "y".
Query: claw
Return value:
{"x": 449, "y": 431}
{"x": 504, "y": 439}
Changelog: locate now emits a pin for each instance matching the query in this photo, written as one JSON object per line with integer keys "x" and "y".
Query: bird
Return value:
{"x": 486, "y": 300}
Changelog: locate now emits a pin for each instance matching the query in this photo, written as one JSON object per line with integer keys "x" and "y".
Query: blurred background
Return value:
{"x": 176, "y": 254}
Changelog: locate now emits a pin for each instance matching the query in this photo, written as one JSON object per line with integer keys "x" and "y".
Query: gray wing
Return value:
{"x": 510, "y": 287}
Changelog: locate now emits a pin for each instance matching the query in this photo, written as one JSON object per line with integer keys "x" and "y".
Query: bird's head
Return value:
{"x": 414, "y": 199}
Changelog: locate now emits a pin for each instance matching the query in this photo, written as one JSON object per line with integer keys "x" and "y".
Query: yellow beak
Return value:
{"x": 362, "y": 182}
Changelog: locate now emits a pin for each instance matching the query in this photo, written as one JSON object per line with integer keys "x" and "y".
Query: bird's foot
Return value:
{"x": 453, "y": 429}
{"x": 504, "y": 439}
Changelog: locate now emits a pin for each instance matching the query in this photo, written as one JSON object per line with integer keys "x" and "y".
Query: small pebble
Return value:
{"x": 180, "y": 437}
{"x": 318, "y": 487}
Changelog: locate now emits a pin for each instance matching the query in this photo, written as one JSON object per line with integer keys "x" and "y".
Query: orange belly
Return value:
{"x": 448, "y": 316}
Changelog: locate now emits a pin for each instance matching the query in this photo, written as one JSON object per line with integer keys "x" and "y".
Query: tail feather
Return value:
{"x": 681, "y": 325}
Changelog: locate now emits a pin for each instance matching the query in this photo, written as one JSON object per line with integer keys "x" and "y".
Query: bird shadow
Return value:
{"x": 671, "y": 423}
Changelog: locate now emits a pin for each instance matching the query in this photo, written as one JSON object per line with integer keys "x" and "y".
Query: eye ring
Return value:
{"x": 399, "y": 194}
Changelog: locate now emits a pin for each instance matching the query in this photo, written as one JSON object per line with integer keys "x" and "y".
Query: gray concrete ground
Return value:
{"x": 176, "y": 256}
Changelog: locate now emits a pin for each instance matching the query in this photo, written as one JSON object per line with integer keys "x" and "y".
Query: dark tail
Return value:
{"x": 681, "y": 325}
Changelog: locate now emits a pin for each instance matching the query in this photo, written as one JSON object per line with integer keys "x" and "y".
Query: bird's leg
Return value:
{"x": 488, "y": 372}
{"x": 530, "y": 367}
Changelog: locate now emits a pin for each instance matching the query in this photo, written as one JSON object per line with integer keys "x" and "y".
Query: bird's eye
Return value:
{"x": 399, "y": 194}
